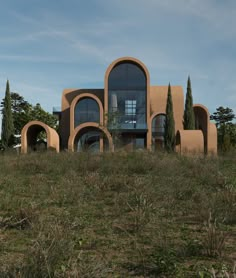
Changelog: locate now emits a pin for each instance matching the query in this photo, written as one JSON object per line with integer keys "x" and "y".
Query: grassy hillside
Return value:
{"x": 116, "y": 215}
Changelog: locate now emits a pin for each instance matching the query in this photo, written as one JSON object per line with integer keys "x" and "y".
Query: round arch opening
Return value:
{"x": 90, "y": 139}
{"x": 202, "y": 122}
{"x": 127, "y": 95}
{"x": 158, "y": 132}
{"x": 37, "y": 139}
{"x": 37, "y": 136}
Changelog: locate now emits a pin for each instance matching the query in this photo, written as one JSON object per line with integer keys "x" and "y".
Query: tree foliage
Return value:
{"x": 24, "y": 112}
{"x": 189, "y": 118}
{"x": 7, "y": 135}
{"x": 21, "y": 111}
{"x": 39, "y": 114}
{"x": 226, "y": 129}
{"x": 223, "y": 116}
{"x": 114, "y": 126}
{"x": 169, "y": 123}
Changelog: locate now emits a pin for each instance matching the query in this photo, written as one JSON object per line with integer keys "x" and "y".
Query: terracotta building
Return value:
{"x": 127, "y": 113}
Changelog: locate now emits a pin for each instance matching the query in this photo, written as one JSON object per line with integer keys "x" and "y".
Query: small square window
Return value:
{"x": 130, "y": 107}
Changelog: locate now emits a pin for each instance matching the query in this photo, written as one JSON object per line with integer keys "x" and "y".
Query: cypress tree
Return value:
{"x": 7, "y": 134}
{"x": 189, "y": 118}
{"x": 169, "y": 123}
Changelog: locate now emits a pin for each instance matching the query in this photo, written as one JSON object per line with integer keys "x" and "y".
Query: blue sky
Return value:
{"x": 46, "y": 46}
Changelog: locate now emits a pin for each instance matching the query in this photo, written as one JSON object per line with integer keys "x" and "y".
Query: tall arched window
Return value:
{"x": 86, "y": 110}
{"x": 158, "y": 131}
{"x": 127, "y": 96}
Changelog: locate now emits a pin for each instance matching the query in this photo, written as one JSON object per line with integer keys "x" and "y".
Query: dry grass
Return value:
{"x": 116, "y": 215}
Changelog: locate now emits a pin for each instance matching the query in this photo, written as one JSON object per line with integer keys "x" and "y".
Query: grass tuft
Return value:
{"x": 117, "y": 215}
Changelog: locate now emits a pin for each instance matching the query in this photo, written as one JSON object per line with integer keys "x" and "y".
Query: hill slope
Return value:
{"x": 116, "y": 215}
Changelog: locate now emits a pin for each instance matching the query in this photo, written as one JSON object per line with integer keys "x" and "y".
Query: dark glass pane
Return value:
{"x": 140, "y": 142}
{"x": 158, "y": 131}
{"x": 127, "y": 76}
{"x": 127, "y": 96}
{"x": 86, "y": 110}
{"x": 89, "y": 140}
{"x": 158, "y": 124}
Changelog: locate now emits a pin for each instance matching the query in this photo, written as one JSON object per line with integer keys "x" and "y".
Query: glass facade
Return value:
{"x": 88, "y": 140}
{"x": 140, "y": 142}
{"x": 131, "y": 141}
{"x": 86, "y": 110}
{"x": 127, "y": 97}
{"x": 158, "y": 131}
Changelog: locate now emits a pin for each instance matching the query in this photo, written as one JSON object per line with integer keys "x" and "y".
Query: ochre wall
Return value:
{"x": 30, "y": 132}
{"x": 206, "y": 138}
{"x": 89, "y": 125}
{"x": 190, "y": 142}
{"x": 212, "y": 140}
{"x": 68, "y": 96}
{"x": 158, "y": 98}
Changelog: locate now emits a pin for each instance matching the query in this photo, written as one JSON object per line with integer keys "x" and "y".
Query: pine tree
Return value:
{"x": 223, "y": 118}
{"x": 7, "y": 135}
{"x": 169, "y": 124}
{"x": 189, "y": 118}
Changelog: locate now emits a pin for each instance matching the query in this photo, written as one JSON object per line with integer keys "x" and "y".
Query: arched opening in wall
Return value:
{"x": 127, "y": 103}
{"x": 86, "y": 110}
{"x": 36, "y": 139}
{"x": 91, "y": 139}
{"x": 201, "y": 122}
{"x": 158, "y": 132}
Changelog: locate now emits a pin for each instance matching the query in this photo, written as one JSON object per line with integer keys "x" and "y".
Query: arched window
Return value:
{"x": 89, "y": 140}
{"x": 86, "y": 110}
{"x": 158, "y": 131}
{"x": 127, "y": 96}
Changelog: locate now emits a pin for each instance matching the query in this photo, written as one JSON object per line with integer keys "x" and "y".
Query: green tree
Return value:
{"x": 231, "y": 130}
{"x": 21, "y": 112}
{"x": 24, "y": 112}
{"x": 226, "y": 145}
{"x": 114, "y": 126}
{"x": 226, "y": 129}
{"x": 7, "y": 134}
{"x": 39, "y": 114}
{"x": 1, "y": 146}
{"x": 223, "y": 116}
{"x": 169, "y": 123}
{"x": 189, "y": 118}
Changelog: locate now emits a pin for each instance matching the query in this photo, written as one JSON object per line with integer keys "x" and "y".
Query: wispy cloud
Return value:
{"x": 73, "y": 45}
{"x": 34, "y": 59}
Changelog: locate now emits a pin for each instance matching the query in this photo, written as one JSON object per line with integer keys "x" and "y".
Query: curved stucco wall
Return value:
{"x": 190, "y": 142}
{"x": 158, "y": 98}
{"x": 212, "y": 139}
{"x": 89, "y": 125}
{"x": 68, "y": 96}
{"x": 209, "y": 130}
{"x": 30, "y": 131}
